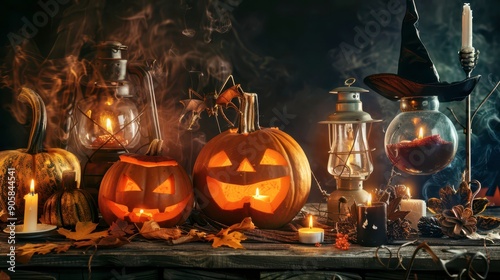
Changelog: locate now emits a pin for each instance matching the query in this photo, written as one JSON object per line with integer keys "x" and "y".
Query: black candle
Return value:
{"x": 372, "y": 224}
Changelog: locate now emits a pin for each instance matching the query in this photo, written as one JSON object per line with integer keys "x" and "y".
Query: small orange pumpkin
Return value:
{"x": 45, "y": 166}
{"x": 141, "y": 187}
{"x": 254, "y": 172}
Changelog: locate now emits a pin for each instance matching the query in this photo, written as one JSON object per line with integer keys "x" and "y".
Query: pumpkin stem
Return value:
{"x": 155, "y": 148}
{"x": 249, "y": 108}
{"x": 69, "y": 180}
{"x": 39, "y": 119}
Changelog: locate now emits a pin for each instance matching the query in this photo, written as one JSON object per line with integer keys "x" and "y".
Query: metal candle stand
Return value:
{"x": 468, "y": 60}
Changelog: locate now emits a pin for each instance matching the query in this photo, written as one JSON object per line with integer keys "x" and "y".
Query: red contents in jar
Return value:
{"x": 421, "y": 156}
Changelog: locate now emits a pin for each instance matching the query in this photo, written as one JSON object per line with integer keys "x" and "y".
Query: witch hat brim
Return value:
{"x": 417, "y": 75}
{"x": 394, "y": 87}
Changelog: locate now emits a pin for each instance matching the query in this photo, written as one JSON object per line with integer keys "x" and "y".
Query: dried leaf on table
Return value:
{"x": 230, "y": 237}
{"x": 83, "y": 231}
{"x": 105, "y": 242}
{"x": 193, "y": 235}
{"x": 121, "y": 228}
{"x": 151, "y": 230}
{"x": 246, "y": 224}
{"x": 27, "y": 251}
{"x": 232, "y": 240}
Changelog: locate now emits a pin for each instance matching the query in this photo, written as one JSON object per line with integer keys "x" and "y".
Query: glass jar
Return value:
{"x": 420, "y": 140}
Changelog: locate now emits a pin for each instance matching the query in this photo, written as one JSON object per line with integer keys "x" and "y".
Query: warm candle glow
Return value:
{"x": 369, "y": 203}
{"x": 408, "y": 193}
{"x": 420, "y": 133}
{"x": 109, "y": 127}
{"x": 141, "y": 212}
{"x": 310, "y": 221}
{"x": 32, "y": 186}
{"x": 31, "y": 209}
{"x": 257, "y": 194}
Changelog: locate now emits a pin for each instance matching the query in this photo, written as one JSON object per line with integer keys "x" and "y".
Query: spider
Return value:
{"x": 213, "y": 103}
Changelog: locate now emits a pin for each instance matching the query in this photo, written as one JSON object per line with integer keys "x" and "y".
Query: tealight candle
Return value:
{"x": 311, "y": 235}
{"x": 372, "y": 224}
{"x": 31, "y": 209}
{"x": 416, "y": 208}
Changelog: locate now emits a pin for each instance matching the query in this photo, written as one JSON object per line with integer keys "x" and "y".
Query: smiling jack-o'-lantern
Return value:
{"x": 138, "y": 188}
{"x": 254, "y": 172}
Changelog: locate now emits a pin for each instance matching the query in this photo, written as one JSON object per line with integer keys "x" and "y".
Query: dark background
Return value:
{"x": 289, "y": 52}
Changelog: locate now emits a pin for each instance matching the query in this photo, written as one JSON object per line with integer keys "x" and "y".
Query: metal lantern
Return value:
{"x": 114, "y": 116}
{"x": 350, "y": 156}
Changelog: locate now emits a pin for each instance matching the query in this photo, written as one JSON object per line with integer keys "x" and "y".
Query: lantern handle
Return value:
{"x": 144, "y": 73}
{"x": 349, "y": 82}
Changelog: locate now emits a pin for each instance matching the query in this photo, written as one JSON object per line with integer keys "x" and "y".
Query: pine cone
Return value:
{"x": 429, "y": 227}
{"x": 458, "y": 221}
{"x": 398, "y": 229}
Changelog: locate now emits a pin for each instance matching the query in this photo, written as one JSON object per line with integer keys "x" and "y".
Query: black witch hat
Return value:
{"x": 417, "y": 75}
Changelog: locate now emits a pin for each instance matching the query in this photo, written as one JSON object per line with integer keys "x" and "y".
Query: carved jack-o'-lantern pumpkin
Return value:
{"x": 254, "y": 172}
{"x": 138, "y": 188}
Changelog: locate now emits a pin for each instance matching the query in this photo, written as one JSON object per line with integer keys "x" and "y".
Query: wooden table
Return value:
{"x": 146, "y": 259}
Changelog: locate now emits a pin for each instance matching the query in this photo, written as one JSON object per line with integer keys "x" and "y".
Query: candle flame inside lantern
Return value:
{"x": 109, "y": 127}
{"x": 310, "y": 221}
{"x": 420, "y": 133}
{"x": 32, "y": 186}
{"x": 369, "y": 203}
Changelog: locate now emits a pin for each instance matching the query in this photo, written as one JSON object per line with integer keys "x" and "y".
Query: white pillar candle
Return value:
{"x": 417, "y": 209}
{"x": 31, "y": 209}
{"x": 311, "y": 235}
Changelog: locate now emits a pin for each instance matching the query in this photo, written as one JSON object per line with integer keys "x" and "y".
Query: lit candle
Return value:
{"x": 466, "y": 27}
{"x": 416, "y": 207}
{"x": 262, "y": 202}
{"x": 31, "y": 209}
{"x": 372, "y": 224}
{"x": 109, "y": 126}
{"x": 311, "y": 235}
{"x": 260, "y": 197}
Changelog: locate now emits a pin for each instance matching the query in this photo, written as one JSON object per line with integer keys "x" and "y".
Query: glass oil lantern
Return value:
{"x": 349, "y": 159}
{"x": 420, "y": 140}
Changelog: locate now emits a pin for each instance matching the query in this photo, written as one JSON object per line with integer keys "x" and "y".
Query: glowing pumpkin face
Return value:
{"x": 263, "y": 174}
{"x": 140, "y": 188}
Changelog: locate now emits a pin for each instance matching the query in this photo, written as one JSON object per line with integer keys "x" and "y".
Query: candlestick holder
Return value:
{"x": 468, "y": 59}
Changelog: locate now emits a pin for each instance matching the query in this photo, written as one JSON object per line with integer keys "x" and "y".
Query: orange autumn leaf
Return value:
{"x": 230, "y": 236}
{"x": 232, "y": 240}
{"x": 27, "y": 251}
{"x": 151, "y": 230}
{"x": 83, "y": 231}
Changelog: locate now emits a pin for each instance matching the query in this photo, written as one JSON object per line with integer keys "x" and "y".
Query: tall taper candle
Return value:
{"x": 31, "y": 209}
{"x": 466, "y": 27}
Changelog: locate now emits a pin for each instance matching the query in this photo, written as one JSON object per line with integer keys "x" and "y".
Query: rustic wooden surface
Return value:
{"x": 148, "y": 259}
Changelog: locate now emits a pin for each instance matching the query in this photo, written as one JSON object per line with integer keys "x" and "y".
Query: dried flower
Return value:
{"x": 458, "y": 221}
